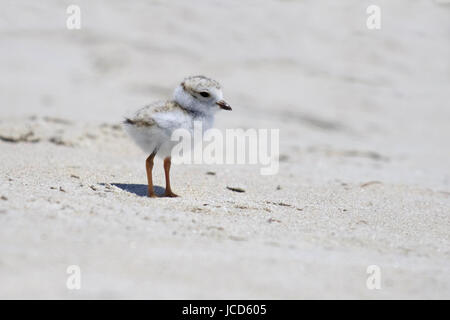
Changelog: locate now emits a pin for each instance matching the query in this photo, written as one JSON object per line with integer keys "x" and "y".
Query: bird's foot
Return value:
{"x": 170, "y": 194}
{"x": 152, "y": 194}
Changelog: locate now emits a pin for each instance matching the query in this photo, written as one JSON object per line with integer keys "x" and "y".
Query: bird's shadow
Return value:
{"x": 140, "y": 190}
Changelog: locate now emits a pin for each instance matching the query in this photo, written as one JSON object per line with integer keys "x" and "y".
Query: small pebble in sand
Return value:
{"x": 281, "y": 204}
{"x": 370, "y": 183}
{"x": 235, "y": 189}
{"x": 108, "y": 187}
{"x": 74, "y": 176}
{"x": 211, "y": 173}
{"x": 59, "y": 141}
{"x": 26, "y": 137}
{"x": 4, "y": 198}
{"x": 56, "y": 120}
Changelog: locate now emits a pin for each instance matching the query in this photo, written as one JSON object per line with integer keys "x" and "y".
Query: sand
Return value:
{"x": 364, "y": 173}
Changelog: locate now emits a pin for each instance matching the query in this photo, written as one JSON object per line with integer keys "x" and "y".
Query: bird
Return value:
{"x": 196, "y": 98}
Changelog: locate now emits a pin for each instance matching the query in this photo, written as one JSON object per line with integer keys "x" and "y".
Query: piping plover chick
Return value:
{"x": 197, "y": 98}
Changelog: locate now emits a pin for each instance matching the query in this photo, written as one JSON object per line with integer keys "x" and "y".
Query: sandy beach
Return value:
{"x": 364, "y": 176}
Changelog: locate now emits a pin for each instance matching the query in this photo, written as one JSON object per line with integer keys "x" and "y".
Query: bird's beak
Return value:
{"x": 223, "y": 105}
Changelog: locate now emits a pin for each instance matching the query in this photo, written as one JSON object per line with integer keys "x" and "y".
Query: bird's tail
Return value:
{"x": 128, "y": 121}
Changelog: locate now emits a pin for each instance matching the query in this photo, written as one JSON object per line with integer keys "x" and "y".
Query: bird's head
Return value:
{"x": 200, "y": 94}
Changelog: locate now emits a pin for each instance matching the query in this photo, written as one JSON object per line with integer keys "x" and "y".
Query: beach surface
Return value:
{"x": 363, "y": 180}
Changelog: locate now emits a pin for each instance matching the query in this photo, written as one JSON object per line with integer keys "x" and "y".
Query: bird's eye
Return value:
{"x": 204, "y": 94}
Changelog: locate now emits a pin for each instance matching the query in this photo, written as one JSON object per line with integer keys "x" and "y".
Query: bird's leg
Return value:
{"x": 168, "y": 192}
{"x": 149, "y": 167}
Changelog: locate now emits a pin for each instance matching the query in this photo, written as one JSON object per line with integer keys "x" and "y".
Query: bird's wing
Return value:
{"x": 156, "y": 114}
{"x": 144, "y": 116}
